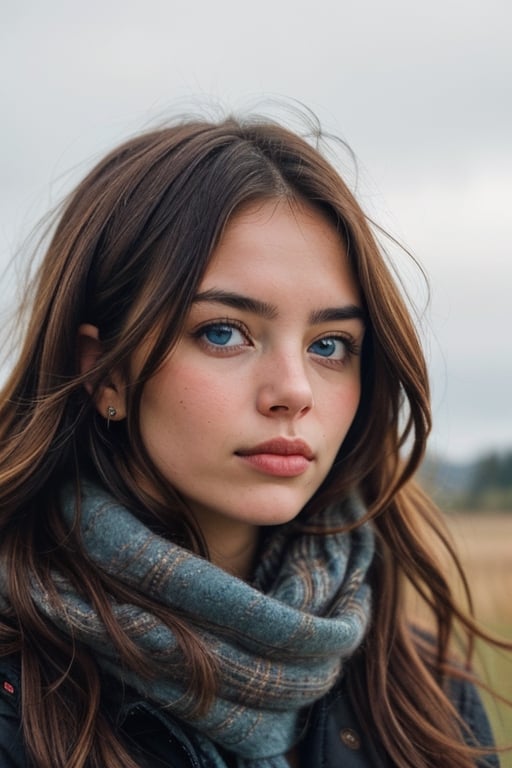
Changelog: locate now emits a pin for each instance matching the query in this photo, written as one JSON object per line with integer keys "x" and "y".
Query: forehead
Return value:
{"x": 282, "y": 246}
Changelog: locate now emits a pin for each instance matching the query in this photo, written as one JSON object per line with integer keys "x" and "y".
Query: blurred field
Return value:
{"x": 484, "y": 544}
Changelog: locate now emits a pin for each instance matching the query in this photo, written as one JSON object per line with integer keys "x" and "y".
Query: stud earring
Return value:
{"x": 111, "y": 412}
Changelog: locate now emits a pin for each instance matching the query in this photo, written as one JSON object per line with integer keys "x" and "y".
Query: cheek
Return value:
{"x": 347, "y": 399}
{"x": 183, "y": 398}
{"x": 354, "y": 398}
{"x": 339, "y": 415}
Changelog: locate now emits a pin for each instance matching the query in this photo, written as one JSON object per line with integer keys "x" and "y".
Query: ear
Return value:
{"x": 109, "y": 396}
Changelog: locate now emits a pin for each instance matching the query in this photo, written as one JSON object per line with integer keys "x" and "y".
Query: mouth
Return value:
{"x": 280, "y": 457}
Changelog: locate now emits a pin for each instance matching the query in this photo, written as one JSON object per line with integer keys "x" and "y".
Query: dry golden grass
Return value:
{"x": 484, "y": 545}
{"x": 483, "y": 542}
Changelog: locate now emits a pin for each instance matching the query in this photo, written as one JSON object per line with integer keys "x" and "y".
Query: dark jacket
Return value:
{"x": 334, "y": 737}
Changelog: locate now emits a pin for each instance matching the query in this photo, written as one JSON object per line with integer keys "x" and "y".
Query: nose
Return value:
{"x": 285, "y": 389}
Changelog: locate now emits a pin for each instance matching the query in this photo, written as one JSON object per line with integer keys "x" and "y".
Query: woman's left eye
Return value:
{"x": 331, "y": 347}
{"x": 222, "y": 335}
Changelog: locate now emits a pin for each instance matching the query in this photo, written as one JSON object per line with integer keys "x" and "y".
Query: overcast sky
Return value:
{"x": 421, "y": 91}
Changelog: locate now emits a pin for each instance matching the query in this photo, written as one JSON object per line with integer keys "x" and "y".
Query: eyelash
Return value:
{"x": 200, "y": 332}
{"x": 351, "y": 348}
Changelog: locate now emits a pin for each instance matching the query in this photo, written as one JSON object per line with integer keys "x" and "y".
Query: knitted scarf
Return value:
{"x": 278, "y": 643}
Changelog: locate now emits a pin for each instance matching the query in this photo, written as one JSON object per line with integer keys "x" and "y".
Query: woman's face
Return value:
{"x": 247, "y": 414}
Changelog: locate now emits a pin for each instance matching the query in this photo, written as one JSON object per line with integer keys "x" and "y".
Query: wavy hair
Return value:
{"x": 129, "y": 252}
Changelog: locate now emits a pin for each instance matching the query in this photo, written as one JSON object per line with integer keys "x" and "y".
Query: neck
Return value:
{"x": 239, "y": 561}
{"x": 232, "y": 545}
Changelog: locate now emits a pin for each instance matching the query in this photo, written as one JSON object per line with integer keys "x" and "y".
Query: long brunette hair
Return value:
{"x": 127, "y": 256}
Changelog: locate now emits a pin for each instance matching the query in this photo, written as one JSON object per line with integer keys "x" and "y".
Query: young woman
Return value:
{"x": 207, "y": 516}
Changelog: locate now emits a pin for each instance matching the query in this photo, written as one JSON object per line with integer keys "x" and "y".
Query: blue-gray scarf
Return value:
{"x": 279, "y": 644}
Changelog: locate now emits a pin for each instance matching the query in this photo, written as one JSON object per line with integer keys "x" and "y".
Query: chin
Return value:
{"x": 274, "y": 512}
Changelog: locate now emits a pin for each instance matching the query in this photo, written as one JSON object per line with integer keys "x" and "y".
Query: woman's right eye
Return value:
{"x": 223, "y": 335}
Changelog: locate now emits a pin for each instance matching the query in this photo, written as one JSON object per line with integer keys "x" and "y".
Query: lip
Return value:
{"x": 279, "y": 457}
{"x": 280, "y": 446}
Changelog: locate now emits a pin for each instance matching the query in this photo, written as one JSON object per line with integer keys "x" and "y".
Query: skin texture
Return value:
{"x": 246, "y": 373}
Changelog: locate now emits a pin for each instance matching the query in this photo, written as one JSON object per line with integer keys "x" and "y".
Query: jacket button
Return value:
{"x": 350, "y": 738}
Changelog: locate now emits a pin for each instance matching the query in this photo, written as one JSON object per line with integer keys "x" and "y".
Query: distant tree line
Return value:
{"x": 484, "y": 484}
{"x": 491, "y": 481}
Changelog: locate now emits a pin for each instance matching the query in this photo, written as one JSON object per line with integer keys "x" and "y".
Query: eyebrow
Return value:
{"x": 270, "y": 311}
{"x": 330, "y": 314}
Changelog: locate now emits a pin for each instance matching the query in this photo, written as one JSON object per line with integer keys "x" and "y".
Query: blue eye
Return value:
{"x": 223, "y": 335}
{"x": 330, "y": 347}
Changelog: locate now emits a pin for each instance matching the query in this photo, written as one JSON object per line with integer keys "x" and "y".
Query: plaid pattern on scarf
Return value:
{"x": 279, "y": 643}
